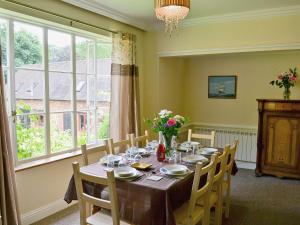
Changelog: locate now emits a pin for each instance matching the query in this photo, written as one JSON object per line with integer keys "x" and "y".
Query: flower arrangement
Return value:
{"x": 286, "y": 80}
{"x": 168, "y": 123}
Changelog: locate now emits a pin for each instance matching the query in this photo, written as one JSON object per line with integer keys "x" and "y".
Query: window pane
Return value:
{"x": 59, "y": 51}
{"x": 30, "y": 136}
{"x": 86, "y": 128}
{"x": 3, "y": 39}
{"x": 60, "y": 131}
{"x": 85, "y": 92}
{"x": 103, "y": 87}
{"x": 29, "y": 90}
{"x": 28, "y": 45}
{"x": 103, "y": 50}
{"x": 60, "y": 91}
{"x": 85, "y": 54}
{"x": 103, "y": 122}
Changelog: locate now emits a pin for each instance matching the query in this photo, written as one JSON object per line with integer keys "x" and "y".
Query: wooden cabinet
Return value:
{"x": 278, "y": 141}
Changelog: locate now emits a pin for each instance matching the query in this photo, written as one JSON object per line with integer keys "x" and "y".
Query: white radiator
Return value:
{"x": 226, "y": 135}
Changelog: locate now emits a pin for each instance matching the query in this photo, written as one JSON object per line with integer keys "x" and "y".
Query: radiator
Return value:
{"x": 226, "y": 135}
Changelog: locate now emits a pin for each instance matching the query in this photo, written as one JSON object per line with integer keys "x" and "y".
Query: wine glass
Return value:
{"x": 137, "y": 158}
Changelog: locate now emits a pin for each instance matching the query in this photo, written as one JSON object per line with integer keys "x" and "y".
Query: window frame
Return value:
{"x": 11, "y": 68}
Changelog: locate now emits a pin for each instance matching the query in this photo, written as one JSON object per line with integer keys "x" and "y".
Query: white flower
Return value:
{"x": 178, "y": 118}
{"x": 164, "y": 113}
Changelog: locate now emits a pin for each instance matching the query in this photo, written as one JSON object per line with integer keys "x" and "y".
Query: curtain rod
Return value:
{"x": 61, "y": 16}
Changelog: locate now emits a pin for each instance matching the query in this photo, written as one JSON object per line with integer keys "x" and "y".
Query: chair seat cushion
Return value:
{"x": 181, "y": 214}
{"x": 101, "y": 218}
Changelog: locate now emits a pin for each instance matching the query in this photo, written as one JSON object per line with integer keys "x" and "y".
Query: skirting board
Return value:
{"x": 246, "y": 165}
{"x": 45, "y": 211}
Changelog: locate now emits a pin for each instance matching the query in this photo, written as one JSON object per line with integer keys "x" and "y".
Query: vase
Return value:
{"x": 168, "y": 140}
{"x": 286, "y": 93}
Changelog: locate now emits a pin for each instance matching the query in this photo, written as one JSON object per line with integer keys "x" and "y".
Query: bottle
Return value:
{"x": 161, "y": 150}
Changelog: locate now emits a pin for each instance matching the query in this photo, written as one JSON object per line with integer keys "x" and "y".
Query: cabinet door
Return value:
{"x": 282, "y": 141}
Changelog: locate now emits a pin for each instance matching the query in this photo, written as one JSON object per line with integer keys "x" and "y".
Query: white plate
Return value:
{"x": 113, "y": 158}
{"x": 174, "y": 170}
{"x": 194, "y": 159}
{"x": 189, "y": 143}
{"x": 208, "y": 151}
{"x": 183, "y": 149}
{"x": 125, "y": 172}
{"x": 140, "y": 151}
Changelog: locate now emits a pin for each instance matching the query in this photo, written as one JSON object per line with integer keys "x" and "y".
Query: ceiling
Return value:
{"x": 140, "y": 13}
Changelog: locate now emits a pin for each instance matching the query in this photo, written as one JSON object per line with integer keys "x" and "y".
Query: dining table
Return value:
{"x": 143, "y": 201}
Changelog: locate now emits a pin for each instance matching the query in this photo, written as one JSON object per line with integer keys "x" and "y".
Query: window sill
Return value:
{"x": 45, "y": 161}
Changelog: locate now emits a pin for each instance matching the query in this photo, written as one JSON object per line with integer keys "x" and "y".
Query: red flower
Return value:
{"x": 171, "y": 122}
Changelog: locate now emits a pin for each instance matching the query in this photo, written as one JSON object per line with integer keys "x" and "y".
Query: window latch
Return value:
{"x": 14, "y": 115}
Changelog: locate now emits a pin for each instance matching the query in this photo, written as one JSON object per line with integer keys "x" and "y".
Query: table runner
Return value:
{"x": 143, "y": 202}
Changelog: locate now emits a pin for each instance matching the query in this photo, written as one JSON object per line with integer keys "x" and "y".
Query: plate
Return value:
{"x": 141, "y": 165}
{"x": 208, "y": 151}
{"x": 174, "y": 170}
{"x": 194, "y": 159}
{"x": 189, "y": 143}
{"x": 125, "y": 172}
{"x": 183, "y": 149}
{"x": 113, "y": 158}
{"x": 140, "y": 151}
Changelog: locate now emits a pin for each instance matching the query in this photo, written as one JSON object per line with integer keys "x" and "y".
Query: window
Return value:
{"x": 57, "y": 87}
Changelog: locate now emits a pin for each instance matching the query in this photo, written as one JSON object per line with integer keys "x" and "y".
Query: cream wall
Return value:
{"x": 260, "y": 34}
{"x": 171, "y": 79}
{"x": 254, "y": 72}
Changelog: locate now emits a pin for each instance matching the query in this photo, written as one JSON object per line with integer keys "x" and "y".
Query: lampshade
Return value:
{"x": 171, "y": 12}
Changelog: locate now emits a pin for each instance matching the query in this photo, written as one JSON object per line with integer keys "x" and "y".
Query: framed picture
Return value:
{"x": 222, "y": 86}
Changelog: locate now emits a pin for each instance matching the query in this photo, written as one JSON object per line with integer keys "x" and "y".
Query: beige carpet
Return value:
{"x": 255, "y": 201}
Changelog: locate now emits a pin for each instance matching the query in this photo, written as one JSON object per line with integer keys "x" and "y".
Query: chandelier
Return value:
{"x": 171, "y": 12}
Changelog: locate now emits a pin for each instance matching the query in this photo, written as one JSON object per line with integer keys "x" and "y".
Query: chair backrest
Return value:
{"x": 112, "y": 146}
{"x": 84, "y": 198}
{"x": 136, "y": 140}
{"x": 221, "y": 165}
{"x": 231, "y": 156}
{"x": 85, "y": 152}
{"x": 210, "y": 136}
{"x": 202, "y": 192}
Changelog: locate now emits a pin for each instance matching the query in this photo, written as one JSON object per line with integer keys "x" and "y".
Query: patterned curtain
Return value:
{"x": 124, "y": 110}
{"x": 9, "y": 209}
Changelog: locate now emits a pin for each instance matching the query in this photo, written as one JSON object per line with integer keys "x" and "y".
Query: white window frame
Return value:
{"x": 11, "y": 84}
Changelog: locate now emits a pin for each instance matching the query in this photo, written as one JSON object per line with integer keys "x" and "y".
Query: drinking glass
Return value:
{"x": 137, "y": 158}
{"x": 110, "y": 162}
{"x": 123, "y": 162}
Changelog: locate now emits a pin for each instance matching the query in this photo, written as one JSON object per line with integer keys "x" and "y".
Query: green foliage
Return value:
{"x": 104, "y": 127}
{"x": 28, "y": 48}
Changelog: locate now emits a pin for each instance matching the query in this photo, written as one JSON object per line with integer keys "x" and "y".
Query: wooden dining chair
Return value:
{"x": 227, "y": 177}
{"x": 210, "y": 136}
{"x": 136, "y": 140}
{"x": 120, "y": 145}
{"x": 190, "y": 213}
{"x": 86, "y": 152}
{"x": 98, "y": 218}
{"x": 216, "y": 195}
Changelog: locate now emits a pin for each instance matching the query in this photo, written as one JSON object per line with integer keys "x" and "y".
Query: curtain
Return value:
{"x": 124, "y": 110}
{"x": 9, "y": 209}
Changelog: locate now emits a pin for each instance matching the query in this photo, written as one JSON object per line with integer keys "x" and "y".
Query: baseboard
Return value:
{"x": 44, "y": 211}
{"x": 246, "y": 165}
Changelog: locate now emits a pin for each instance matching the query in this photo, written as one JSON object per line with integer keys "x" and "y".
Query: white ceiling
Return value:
{"x": 140, "y": 13}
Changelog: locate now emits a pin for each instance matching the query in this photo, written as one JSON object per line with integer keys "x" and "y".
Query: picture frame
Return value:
{"x": 222, "y": 86}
